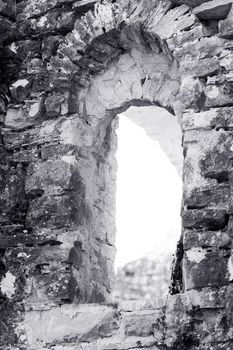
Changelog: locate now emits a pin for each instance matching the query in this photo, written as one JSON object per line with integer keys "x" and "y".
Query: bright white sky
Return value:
{"x": 148, "y": 196}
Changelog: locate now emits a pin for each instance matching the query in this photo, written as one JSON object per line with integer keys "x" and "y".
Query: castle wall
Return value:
{"x": 66, "y": 72}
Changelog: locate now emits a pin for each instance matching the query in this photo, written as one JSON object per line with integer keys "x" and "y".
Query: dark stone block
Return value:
{"x": 40, "y": 82}
{"x": 226, "y": 28}
{"x": 25, "y": 155}
{"x": 28, "y": 48}
{"x": 192, "y": 3}
{"x": 206, "y": 239}
{"x": 213, "y": 10}
{"x": 7, "y": 8}
{"x": 13, "y": 140}
{"x": 9, "y": 316}
{"x": 20, "y": 93}
{"x": 140, "y": 324}
{"x": 212, "y": 219}
{"x": 52, "y": 176}
{"x": 205, "y": 269}
{"x": 53, "y": 104}
{"x": 218, "y": 160}
{"x": 211, "y": 195}
{"x": 54, "y": 288}
{"x": 49, "y": 212}
{"x": 13, "y": 201}
{"x": 50, "y": 45}
{"x": 7, "y": 28}
{"x": 57, "y": 150}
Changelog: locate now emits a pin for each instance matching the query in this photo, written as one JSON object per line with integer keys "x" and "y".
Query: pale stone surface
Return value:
{"x": 7, "y": 285}
{"x": 68, "y": 322}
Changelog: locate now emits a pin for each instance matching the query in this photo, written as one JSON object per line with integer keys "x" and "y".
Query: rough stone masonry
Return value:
{"x": 68, "y": 68}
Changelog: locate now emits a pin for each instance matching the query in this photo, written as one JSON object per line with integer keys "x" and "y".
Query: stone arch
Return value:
{"x": 133, "y": 76}
{"x": 49, "y": 158}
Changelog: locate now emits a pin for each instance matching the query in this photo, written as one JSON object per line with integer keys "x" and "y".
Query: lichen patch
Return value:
{"x": 7, "y": 285}
{"x": 196, "y": 255}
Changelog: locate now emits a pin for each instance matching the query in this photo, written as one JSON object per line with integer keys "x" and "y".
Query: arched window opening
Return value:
{"x": 148, "y": 200}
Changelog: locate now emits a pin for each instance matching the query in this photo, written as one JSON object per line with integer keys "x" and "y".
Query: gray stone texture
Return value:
{"x": 67, "y": 69}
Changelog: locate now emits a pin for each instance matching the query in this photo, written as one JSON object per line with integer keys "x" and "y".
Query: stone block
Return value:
{"x": 106, "y": 329}
{"x": 20, "y": 89}
{"x": 203, "y": 48}
{"x": 230, "y": 177}
{"x": 70, "y": 322}
{"x": 217, "y": 161}
{"x": 3, "y": 108}
{"x": 187, "y": 36}
{"x": 205, "y": 268}
{"x": 59, "y": 83}
{"x": 27, "y": 48}
{"x": 192, "y": 3}
{"x": 25, "y": 155}
{"x": 13, "y": 140}
{"x": 63, "y": 65}
{"x": 56, "y": 150}
{"x": 199, "y": 68}
{"x": 71, "y": 131}
{"x": 217, "y": 118}
{"x": 50, "y": 45}
{"x": 23, "y": 116}
{"x": 191, "y": 93}
{"x": 48, "y": 256}
{"x": 230, "y": 226}
{"x": 210, "y": 219}
{"x": 49, "y": 212}
{"x": 56, "y": 105}
{"x": 215, "y": 9}
{"x": 30, "y": 10}
{"x": 7, "y": 8}
{"x": 15, "y": 118}
{"x": 173, "y": 21}
{"x": 206, "y": 239}
{"x": 7, "y": 30}
{"x": 212, "y": 195}
{"x": 52, "y": 176}
{"x": 225, "y": 28}
{"x": 226, "y": 61}
{"x": 13, "y": 235}
{"x": 140, "y": 323}
{"x": 219, "y": 95}
{"x": 41, "y": 83}
{"x": 210, "y": 298}
{"x": 55, "y": 21}
{"x": 52, "y": 286}
{"x": 93, "y": 105}
{"x": 35, "y": 66}
{"x": 13, "y": 202}
{"x": 70, "y": 51}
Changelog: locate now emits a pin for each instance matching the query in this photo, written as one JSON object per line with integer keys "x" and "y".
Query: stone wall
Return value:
{"x": 67, "y": 69}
